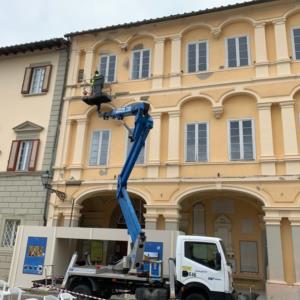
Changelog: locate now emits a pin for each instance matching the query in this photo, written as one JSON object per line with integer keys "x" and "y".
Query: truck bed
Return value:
{"x": 104, "y": 273}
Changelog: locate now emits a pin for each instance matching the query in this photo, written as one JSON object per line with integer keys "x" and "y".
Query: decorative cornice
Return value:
{"x": 287, "y": 104}
{"x": 264, "y": 106}
{"x": 27, "y": 126}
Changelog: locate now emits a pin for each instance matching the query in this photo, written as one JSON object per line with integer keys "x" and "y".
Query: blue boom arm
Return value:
{"x": 143, "y": 124}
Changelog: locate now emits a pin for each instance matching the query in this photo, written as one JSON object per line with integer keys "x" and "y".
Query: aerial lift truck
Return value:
{"x": 198, "y": 272}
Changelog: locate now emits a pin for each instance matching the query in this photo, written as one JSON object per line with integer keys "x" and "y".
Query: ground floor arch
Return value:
{"x": 237, "y": 218}
{"x": 101, "y": 210}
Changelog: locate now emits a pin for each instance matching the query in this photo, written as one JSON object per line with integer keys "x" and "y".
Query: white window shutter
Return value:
{"x": 103, "y": 64}
{"x": 190, "y": 142}
{"x": 231, "y": 52}
{"x": 247, "y": 139}
{"x": 191, "y": 58}
{"x": 136, "y": 65}
{"x": 111, "y": 68}
{"x": 145, "y": 63}
{"x": 234, "y": 131}
{"x": 202, "y": 142}
{"x": 104, "y": 148}
{"x": 94, "y": 148}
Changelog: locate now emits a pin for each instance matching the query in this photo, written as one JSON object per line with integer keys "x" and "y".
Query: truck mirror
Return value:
{"x": 218, "y": 261}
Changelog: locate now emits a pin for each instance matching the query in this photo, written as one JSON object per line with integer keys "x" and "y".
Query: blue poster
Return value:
{"x": 153, "y": 252}
{"x": 35, "y": 255}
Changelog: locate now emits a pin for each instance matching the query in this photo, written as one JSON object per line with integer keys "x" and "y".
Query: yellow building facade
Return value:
{"x": 223, "y": 157}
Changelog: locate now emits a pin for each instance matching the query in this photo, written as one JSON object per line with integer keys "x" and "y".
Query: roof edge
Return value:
{"x": 59, "y": 43}
{"x": 169, "y": 18}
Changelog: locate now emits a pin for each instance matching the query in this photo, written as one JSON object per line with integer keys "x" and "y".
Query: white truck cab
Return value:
{"x": 201, "y": 264}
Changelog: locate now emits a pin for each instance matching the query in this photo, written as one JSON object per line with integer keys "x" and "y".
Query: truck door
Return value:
{"x": 200, "y": 263}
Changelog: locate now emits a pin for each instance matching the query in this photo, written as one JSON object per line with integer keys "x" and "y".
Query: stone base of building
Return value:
{"x": 281, "y": 290}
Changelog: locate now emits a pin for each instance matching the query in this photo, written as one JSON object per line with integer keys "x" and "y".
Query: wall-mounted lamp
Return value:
{"x": 46, "y": 179}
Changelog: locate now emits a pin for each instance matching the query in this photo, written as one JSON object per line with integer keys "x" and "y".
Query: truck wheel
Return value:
{"x": 82, "y": 289}
{"x": 195, "y": 296}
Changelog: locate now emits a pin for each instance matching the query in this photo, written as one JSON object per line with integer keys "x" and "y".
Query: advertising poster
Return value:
{"x": 35, "y": 255}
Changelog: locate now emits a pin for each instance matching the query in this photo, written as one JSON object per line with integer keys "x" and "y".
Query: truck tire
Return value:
{"x": 195, "y": 296}
{"x": 82, "y": 289}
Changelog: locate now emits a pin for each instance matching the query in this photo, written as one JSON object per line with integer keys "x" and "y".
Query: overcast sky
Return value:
{"x": 23, "y": 21}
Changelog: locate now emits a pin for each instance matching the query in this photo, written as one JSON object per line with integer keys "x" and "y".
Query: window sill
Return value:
{"x": 237, "y": 67}
{"x": 36, "y": 94}
{"x": 219, "y": 163}
{"x": 140, "y": 79}
{"x": 198, "y": 72}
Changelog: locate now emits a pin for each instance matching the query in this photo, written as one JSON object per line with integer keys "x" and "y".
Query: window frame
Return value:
{"x": 293, "y": 43}
{"x": 126, "y": 149}
{"x": 140, "y": 68}
{"x": 3, "y": 231}
{"x": 197, "y": 57}
{"x": 16, "y": 156}
{"x": 108, "y": 148}
{"x": 107, "y": 67}
{"x": 241, "y": 141}
{"x": 207, "y": 146}
{"x": 238, "y": 53}
{"x": 28, "y": 77}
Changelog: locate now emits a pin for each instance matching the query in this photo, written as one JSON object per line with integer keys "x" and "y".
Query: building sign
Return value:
{"x": 35, "y": 255}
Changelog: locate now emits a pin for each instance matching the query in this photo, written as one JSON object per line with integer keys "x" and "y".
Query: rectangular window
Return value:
{"x": 23, "y": 155}
{"x": 99, "y": 148}
{"x": 108, "y": 67}
{"x": 140, "y": 64}
{"x": 202, "y": 253}
{"x": 296, "y": 42}
{"x": 249, "y": 258}
{"x": 36, "y": 80}
{"x": 237, "y": 52}
{"x": 196, "y": 142}
{"x": 241, "y": 140}
{"x": 141, "y": 158}
{"x": 197, "y": 57}
{"x": 10, "y": 232}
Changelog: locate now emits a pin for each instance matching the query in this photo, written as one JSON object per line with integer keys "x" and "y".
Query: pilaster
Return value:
{"x": 66, "y": 142}
{"x": 261, "y": 66}
{"x": 88, "y": 64}
{"x": 267, "y": 158}
{"x": 74, "y": 66}
{"x": 175, "y": 80}
{"x": 173, "y": 145}
{"x": 158, "y": 63}
{"x": 283, "y": 60}
{"x": 79, "y": 145}
{"x": 295, "y": 226}
{"x": 154, "y": 147}
{"x": 171, "y": 214}
{"x": 274, "y": 248}
{"x": 290, "y": 137}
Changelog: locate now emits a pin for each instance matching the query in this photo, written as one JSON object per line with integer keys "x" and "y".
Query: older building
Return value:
{"x": 223, "y": 157}
{"x": 31, "y": 80}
